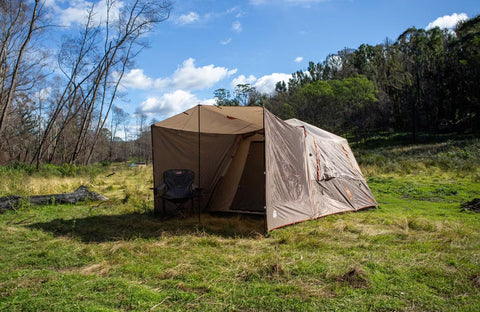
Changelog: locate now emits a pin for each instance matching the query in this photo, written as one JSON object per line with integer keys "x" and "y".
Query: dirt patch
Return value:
{"x": 473, "y": 205}
{"x": 356, "y": 278}
{"x": 476, "y": 280}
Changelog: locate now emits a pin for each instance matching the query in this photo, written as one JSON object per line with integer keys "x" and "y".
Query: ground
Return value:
{"x": 419, "y": 251}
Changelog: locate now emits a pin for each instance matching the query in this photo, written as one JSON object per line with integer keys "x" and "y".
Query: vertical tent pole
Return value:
{"x": 155, "y": 208}
{"x": 199, "y": 175}
{"x": 264, "y": 173}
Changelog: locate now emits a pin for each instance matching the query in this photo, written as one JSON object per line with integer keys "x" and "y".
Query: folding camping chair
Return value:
{"x": 177, "y": 188}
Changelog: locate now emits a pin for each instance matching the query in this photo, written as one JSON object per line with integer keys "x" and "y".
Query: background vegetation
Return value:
{"x": 61, "y": 109}
{"x": 425, "y": 81}
{"x": 417, "y": 252}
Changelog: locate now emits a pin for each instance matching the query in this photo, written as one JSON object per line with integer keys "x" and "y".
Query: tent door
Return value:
{"x": 250, "y": 195}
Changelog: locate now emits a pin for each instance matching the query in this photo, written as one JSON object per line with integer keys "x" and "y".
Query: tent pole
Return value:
{"x": 155, "y": 208}
{"x": 264, "y": 176}
{"x": 199, "y": 175}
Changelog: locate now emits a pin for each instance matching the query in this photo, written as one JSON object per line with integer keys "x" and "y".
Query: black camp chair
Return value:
{"x": 177, "y": 188}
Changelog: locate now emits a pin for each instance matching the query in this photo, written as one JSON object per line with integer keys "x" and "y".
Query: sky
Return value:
{"x": 206, "y": 45}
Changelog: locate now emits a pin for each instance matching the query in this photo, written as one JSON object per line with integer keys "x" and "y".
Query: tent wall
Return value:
{"x": 174, "y": 149}
{"x": 241, "y": 184}
{"x": 250, "y": 195}
{"x": 287, "y": 186}
{"x": 337, "y": 182}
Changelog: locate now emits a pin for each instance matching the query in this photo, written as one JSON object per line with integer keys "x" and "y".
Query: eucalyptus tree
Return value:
{"x": 93, "y": 64}
{"x": 467, "y": 72}
{"x": 20, "y": 23}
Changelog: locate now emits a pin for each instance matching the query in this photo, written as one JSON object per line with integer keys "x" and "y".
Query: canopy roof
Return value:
{"x": 217, "y": 120}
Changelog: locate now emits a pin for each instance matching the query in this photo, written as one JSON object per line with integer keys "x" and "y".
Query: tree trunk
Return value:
{"x": 16, "y": 67}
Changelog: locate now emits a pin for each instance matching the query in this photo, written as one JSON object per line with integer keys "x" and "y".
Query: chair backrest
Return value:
{"x": 179, "y": 182}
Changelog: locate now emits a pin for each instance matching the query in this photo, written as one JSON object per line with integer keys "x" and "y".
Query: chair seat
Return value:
{"x": 178, "y": 199}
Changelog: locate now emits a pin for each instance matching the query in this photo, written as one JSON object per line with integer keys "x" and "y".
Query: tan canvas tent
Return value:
{"x": 247, "y": 160}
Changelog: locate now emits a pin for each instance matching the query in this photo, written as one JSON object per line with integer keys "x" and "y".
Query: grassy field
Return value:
{"x": 418, "y": 252}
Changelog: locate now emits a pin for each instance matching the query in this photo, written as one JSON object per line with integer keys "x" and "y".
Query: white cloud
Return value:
{"x": 226, "y": 41}
{"x": 189, "y": 18}
{"x": 136, "y": 79}
{"x": 170, "y": 104}
{"x": 44, "y": 93}
{"x": 189, "y": 77}
{"x": 76, "y": 12}
{"x": 237, "y": 26}
{"x": 298, "y": 59}
{"x": 185, "y": 77}
{"x": 243, "y": 80}
{"x": 237, "y": 11}
{"x": 447, "y": 21}
{"x": 161, "y": 83}
{"x": 266, "y": 84}
{"x": 233, "y": 10}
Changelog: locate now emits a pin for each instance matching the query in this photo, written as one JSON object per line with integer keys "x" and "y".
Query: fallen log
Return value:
{"x": 81, "y": 194}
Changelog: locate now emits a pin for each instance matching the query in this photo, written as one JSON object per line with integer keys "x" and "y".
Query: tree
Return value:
{"x": 466, "y": 47}
{"x": 19, "y": 23}
{"x": 247, "y": 95}
{"x": 93, "y": 65}
{"x": 119, "y": 117}
{"x": 223, "y": 98}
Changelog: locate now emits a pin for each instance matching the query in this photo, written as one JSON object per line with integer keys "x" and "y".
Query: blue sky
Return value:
{"x": 207, "y": 44}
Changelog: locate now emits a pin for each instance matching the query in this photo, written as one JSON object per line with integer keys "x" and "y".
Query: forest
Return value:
{"x": 426, "y": 81}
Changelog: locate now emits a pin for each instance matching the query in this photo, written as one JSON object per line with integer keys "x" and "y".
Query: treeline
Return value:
{"x": 425, "y": 81}
{"x": 58, "y": 107}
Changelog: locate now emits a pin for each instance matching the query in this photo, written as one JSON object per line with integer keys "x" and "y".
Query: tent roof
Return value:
{"x": 217, "y": 119}
{"x": 315, "y": 130}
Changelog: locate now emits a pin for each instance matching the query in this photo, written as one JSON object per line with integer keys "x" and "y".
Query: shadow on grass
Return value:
{"x": 105, "y": 228}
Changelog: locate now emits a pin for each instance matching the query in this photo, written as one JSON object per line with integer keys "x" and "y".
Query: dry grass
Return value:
{"x": 418, "y": 252}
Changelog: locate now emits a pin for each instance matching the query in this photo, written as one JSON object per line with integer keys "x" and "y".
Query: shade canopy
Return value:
{"x": 247, "y": 160}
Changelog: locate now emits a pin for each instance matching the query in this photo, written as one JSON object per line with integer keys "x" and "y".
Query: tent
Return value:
{"x": 247, "y": 160}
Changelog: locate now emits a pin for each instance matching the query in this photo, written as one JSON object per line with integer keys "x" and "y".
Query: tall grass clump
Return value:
{"x": 24, "y": 179}
{"x": 462, "y": 157}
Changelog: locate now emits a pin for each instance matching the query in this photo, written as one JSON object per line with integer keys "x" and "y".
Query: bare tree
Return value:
{"x": 19, "y": 22}
{"x": 119, "y": 117}
{"x": 93, "y": 65}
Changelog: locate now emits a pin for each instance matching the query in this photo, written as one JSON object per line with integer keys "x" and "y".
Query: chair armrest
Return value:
{"x": 196, "y": 190}
{"x": 158, "y": 189}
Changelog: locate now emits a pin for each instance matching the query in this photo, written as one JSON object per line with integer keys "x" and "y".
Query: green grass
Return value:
{"x": 418, "y": 252}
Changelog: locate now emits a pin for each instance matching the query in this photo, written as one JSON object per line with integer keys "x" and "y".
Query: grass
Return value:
{"x": 418, "y": 252}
